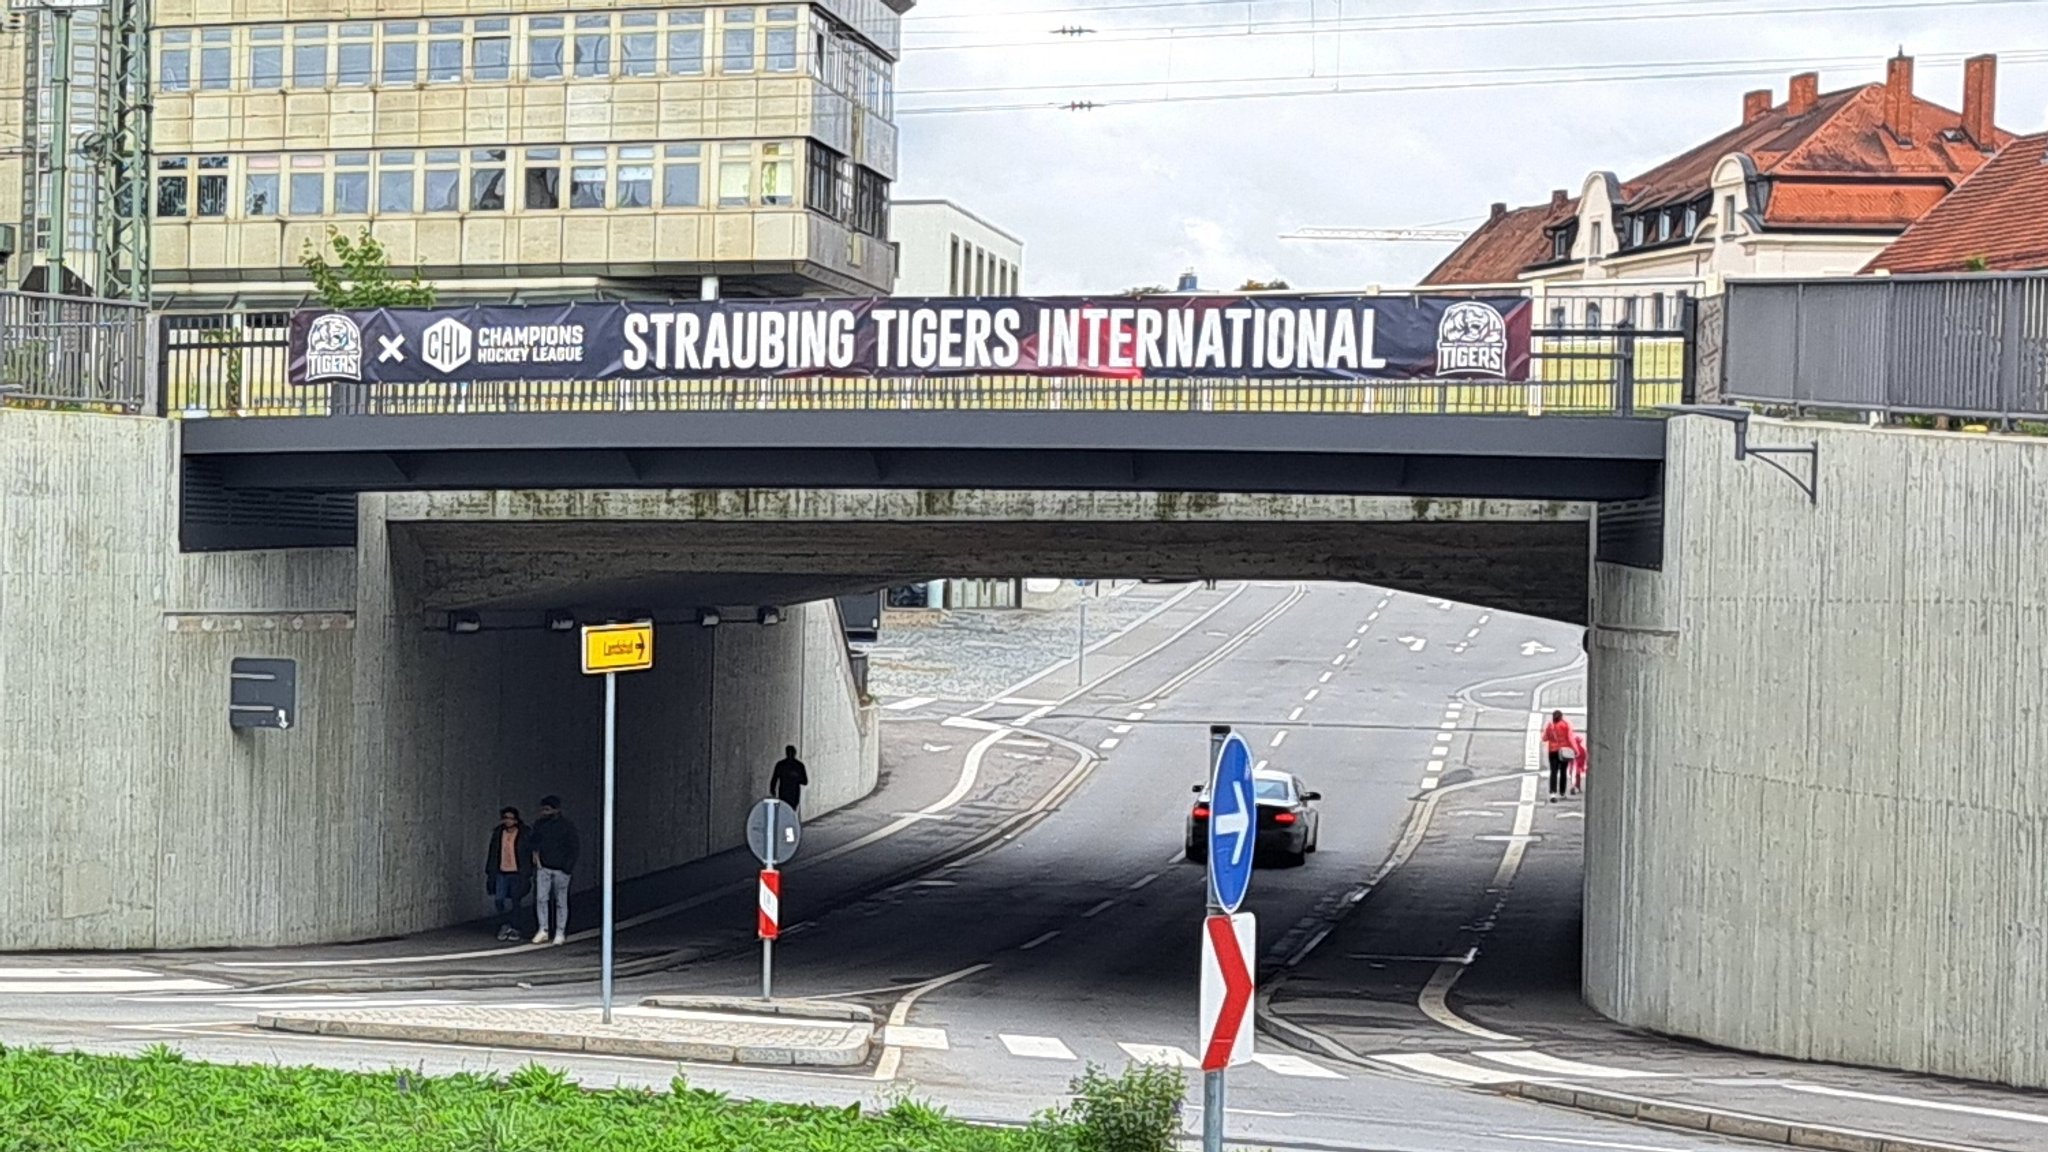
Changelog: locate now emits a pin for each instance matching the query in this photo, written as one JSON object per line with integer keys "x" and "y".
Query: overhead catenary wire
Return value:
{"x": 1439, "y": 23}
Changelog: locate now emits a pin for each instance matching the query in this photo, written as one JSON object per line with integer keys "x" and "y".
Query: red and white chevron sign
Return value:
{"x": 771, "y": 904}
{"x": 1228, "y": 944}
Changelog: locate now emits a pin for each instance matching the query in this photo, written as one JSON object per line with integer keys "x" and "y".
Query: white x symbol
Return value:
{"x": 391, "y": 344}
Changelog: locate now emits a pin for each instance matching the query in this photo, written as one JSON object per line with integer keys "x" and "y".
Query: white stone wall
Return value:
{"x": 931, "y": 234}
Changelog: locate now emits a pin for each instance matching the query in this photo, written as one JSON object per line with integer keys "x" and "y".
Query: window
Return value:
{"x": 1593, "y": 245}
{"x": 444, "y": 51}
{"x": 543, "y": 179}
{"x": 1657, "y": 305}
{"x": 1558, "y": 318}
{"x": 216, "y": 59}
{"x": 487, "y": 180}
{"x": 266, "y": 59}
{"x": 1728, "y": 216}
{"x": 309, "y": 56}
{"x": 587, "y": 178}
{"x": 594, "y": 44}
{"x": 778, "y": 174}
{"x": 1267, "y": 788}
{"x": 1593, "y": 311}
{"x": 355, "y": 57}
{"x": 444, "y": 182}
{"x": 172, "y": 187}
{"x": 870, "y": 202}
{"x": 1637, "y": 230}
{"x": 953, "y": 268}
{"x": 309, "y": 186}
{"x": 260, "y": 189}
{"x": 1692, "y": 220}
{"x": 1560, "y": 244}
{"x": 352, "y": 184}
{"x": 686, "y": 43}
{"x": 213, "y": 186}
{"x": 682, "y": 176}
{"x": 1665, "y": 220}
{"x": 544, "y": 47}
{"x": 781, "y": 39}
{"x": 395, "y": 182}
{"x": 636, "y": 177}
{"x": 174, "y": 61}
{"x": 638, "y": 44}
{"x": 737, "y": 54}
{"x": 490, "y": 54}
{"x": 401, "y": 53}
{"x": 735, "y": 175}
{"x": 822, "y": 178}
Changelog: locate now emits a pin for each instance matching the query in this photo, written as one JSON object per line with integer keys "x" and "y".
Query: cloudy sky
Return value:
{"x": 1221, "y": 125}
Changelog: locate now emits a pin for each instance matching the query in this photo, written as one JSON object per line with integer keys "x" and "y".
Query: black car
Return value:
{"x": 1288, "y": 828}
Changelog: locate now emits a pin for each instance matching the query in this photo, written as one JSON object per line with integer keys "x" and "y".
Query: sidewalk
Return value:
{"x": 1397, "y": 986}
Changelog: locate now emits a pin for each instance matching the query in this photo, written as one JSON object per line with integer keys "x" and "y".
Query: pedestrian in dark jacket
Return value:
{"x": 508, "y": 861}
{"x": 555, "y": 848}
{"x": 789, "y": 779}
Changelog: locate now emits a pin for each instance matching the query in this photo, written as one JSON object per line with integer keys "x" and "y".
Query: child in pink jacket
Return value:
{"x": 1578, "y": 761}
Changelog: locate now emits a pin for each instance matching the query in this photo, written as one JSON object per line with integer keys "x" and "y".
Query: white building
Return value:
{"x": 945, "y": 250}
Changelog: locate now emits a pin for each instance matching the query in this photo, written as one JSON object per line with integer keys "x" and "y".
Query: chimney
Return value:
{"x": 1558, "y": 199}
{"x": 1755, "y": 105}
{"x": 1898, "y": 98}
{"x": 1804, "y": 94}
{"x": 1980, "y": 100}
{"x": 1499, "y": 210}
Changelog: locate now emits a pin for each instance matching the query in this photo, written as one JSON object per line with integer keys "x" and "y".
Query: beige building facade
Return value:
{"x": 526, "y": 149}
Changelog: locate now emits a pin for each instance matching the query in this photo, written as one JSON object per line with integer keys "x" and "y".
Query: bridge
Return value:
{"x": 1798, "y": 599}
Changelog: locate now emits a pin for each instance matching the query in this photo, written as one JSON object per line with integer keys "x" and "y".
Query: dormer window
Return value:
{"x": 1664, "y": 224}
{"x": 1560, "y": 244}
{"x": 1636, "y": 231}
{"x": 1692, "y": 221}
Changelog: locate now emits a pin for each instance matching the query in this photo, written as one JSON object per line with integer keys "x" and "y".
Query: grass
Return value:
{"x": 162, "y": 1102}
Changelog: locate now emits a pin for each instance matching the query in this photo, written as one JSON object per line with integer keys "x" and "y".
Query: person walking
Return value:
{"x": 506, "y": 862}
{"x": 1557, "y": 741}
{"x": 555, "y": 848}
{"x": 788, "y": 780}
{"x": 1578, "y": 762}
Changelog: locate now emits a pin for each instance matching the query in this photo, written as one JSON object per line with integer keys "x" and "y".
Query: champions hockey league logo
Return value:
{"x": 1472, "y": 340}
{"x": 334, "y": 349}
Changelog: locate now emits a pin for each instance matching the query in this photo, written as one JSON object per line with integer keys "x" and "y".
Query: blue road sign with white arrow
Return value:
{"x": 1233, "y": 824}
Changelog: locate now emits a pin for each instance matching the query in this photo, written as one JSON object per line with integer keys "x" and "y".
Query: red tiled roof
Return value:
{"x": 1998, "y": 215}
{"x": 1865, "y": 206}
{"x": 1503, "y": 246}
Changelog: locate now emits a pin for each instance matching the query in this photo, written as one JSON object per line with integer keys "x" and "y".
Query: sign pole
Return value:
{"x": 1081, "y": 650}
{"x": 767, "y": 941}
{"x": 611, "y": 746}
{"x": 1212, "y": 1082}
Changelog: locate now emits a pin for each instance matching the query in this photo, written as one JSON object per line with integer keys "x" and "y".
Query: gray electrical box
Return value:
{"x": 263, "y": 693}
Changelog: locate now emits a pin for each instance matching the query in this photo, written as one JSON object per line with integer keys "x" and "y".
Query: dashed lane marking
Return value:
{"x": 1337, "y": 661}
{"x": 1323, "y": 679}
{"x": 1312, "y": 694}
{"x": 1165, "y": 1054}
{"x": 1445, "y": 1068}
{"x": 1036, "y": 1047}
{"x": 1555, "y": 1066}
{"x": 1279, "y": 738}
{"x": 1120, "y": 729}
{"x": 1294, "y": 715}
{"x": 1283, "y": 1064}
{"x": 909, "y": 702}
{"x": 1035, "y": 941}
{"x": 906, "y": 1036}
{"x": 1147, "y": 878}
{"x": 1108, "y": 742}
{"x": 1098, "y": 910}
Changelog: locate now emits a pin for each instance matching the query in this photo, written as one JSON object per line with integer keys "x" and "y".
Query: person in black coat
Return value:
{"x": 507, "y": 863}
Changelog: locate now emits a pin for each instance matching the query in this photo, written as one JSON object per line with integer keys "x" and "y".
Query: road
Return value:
{"x": 1069, "y": 936}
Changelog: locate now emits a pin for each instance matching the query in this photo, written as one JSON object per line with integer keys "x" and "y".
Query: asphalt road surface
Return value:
{"x": 1071, "y": 938}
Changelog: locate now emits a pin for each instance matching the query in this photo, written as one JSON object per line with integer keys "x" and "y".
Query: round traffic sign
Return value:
{"x": 773, "y": 832}
{"x": 1233, "y": 824}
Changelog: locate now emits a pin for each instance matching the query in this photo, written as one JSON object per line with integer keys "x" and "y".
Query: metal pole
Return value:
{"x": 1212, "y": 1082}
{"x": 60, "y": 143}
{"x": 611, "y": 745}
{"x": 767, "y": 945}
{"x": 1081, "y": 649}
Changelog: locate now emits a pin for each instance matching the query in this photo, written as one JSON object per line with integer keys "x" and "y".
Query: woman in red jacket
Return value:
{"x": 1557, "y": 741}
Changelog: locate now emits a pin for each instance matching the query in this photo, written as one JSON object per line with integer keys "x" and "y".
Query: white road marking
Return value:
{"x": 1108, "y": 742}
{"x": 1449, "y": 726}
{"x": 79, "y": 974}
{"x": 931, "y": 747}
{"x": 1414, "y": 643}
{"x": 1363, "y": 627}
{"x": 1036, "y": 1047}
{"x": 905, "y": 1036}
{"x": 909, "y": 702}
{"x": 1555, "y": 1066}
{"x": 1259, "y": 767}
{"x": 1485, "y": 616}
{"x": 1120, "y": 729}
{"x": 1440, "y": 750}
{"x": 1435, "y": 766}
{"x": 1257, "y": 1112}
{"x": 1535, "y": 648}
{"x": 1147, "y": 878}
{"x": 1037, "y": 940}
{"x": 1908, "y": 1102}
{"x": 1429, "y": 783}
{"x": 1149, "y": 705}
{"x": 1159, "y": 1054}
{"x": 1177, "y": 857}
{"x": 1098, "y": 910}
{"x": 1294, "y": 715}
{"x": 1571, "y": 815}
{"x": 1472, "y": 633}
{"x": 1444, "y": 1068}
{"x": 1279, "y": 738}
{"x": 1581, "y": 1142}
{"x": 1351, "y": 643}
{"x": 1025, "y": 701}
{"x": 899, "y": 1015}
{"x": 1323, "y": 679}
{"x": 1312, "y": 694}
{"x": 1373, "y": 617}
{"x": 1285, "y": 1065}
{"x": 1338, "y": 661}
{"x": 105, "y": 987}
{"x": 1453, "y": 708}
{"x": 969, "y": 722}
{"x": 1136, "y": 715}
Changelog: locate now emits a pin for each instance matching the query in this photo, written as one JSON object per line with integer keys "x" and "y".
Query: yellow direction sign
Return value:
{"x": 618, "y": 648}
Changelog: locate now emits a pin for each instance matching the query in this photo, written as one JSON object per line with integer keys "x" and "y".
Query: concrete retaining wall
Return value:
{"x": 1820, "y": 823}
{"x": 132, "y": 816}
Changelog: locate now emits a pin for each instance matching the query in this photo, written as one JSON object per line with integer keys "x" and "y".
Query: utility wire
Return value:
{"x": 1423, "y": 22}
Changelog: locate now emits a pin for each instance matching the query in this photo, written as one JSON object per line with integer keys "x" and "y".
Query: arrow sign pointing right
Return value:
{"x": 1227, "y": 987}
{"x": 1236, "y": 824}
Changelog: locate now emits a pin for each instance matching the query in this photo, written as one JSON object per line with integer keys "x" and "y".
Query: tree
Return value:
{"x": 362, "y": 277}
{"x": 1263, "y": 286}
{"x": 1147, "y": 290}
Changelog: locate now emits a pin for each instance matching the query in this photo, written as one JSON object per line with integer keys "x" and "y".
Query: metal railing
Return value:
{"x": 1600, "y": 361}
{"x": 1972, "y": 346}
{"x": 75, "y": 353}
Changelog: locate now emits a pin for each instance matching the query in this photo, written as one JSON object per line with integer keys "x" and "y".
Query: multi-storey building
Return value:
{"x": 526, "y": 149}
{"x": 943, "y": 249}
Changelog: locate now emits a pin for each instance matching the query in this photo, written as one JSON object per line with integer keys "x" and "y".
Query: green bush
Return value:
{"x": 1138, "y": 1111}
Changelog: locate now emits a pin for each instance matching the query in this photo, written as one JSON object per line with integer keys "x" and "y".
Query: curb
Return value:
{"x": 851, "y": 1051}
{"x": 794, "y": 1009}
{"x": 473, "y": 980}
{"x": 1720, "y": 1121}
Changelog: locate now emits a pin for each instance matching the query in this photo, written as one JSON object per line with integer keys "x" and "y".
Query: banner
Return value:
{"x": 1154, "y": 337}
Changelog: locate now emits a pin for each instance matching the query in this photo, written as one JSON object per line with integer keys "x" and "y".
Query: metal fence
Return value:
{"x": 1973, "y": 346}
{"x": 1591, "y": 355}
{"x": 69, "y": 352}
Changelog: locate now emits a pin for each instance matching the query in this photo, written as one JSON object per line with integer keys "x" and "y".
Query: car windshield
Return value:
{"x": 1272, "y": 790}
